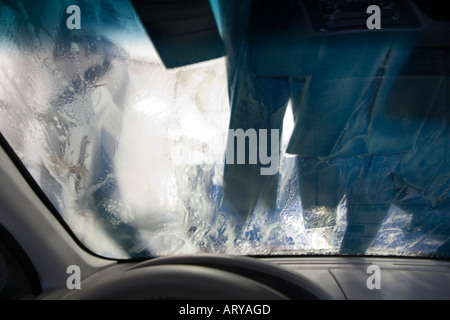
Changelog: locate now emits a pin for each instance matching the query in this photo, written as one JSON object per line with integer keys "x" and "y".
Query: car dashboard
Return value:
{"x": 205, "y": 277}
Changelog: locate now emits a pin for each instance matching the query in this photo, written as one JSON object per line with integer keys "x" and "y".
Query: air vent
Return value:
{"x": 350, "y": 15}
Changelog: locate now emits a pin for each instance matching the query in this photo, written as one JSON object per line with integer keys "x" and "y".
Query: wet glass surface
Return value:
{"x": 131, "y": 154}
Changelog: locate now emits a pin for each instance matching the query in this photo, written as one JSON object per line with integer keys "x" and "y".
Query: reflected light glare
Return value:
{"x": 288, "y": 127}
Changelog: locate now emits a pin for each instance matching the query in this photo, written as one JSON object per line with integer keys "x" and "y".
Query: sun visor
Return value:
{"x": 183, "y": 31}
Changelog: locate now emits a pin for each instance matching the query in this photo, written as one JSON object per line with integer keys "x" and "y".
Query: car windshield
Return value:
{"x": 310, "y": 134}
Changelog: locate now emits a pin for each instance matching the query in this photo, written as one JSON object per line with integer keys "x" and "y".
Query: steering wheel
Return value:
{"x": 202, "y": 277}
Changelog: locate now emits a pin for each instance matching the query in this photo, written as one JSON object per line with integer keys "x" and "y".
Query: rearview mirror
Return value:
{"x": 183, "y": 31}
